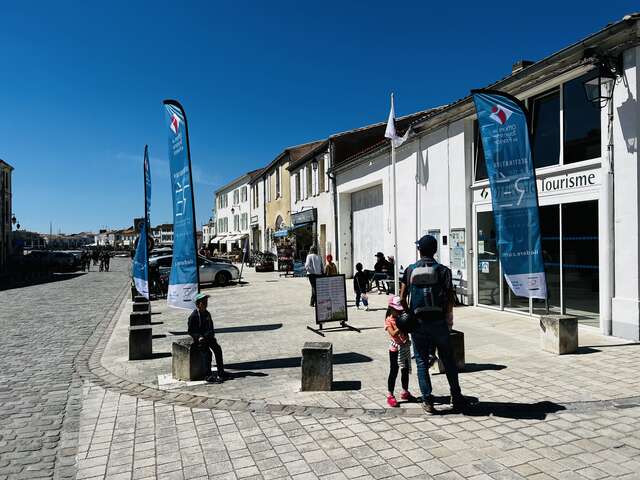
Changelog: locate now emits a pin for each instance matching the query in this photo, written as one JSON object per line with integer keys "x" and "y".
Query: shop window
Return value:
{"x": 581, "y": 122}
{"x": 480, "y": 163}
{"x": 545, "y": 124}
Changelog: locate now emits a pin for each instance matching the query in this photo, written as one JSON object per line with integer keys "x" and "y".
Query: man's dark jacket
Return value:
{"x": 201, "y": 325}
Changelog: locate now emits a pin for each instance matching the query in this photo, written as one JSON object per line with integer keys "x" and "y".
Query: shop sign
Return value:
{"x": 568, "y": 182}
{"x": 305, "y": 216}
{"x": 254, "y": 219}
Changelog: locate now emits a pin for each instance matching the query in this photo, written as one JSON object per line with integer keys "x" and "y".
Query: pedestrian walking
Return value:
{"x": 200, "y": 327}
{"x": 107, "y": 260}
{"x": 399, "y": 354}
{"x": 360, "y": 287}
{"x": 427, "y": 294}
{"x": 381, "y": 269}
{"x": 95, "y": 255}
{"x": 87, "y": 256}
{"x": 330, "y": 268}
{"x": 314, "y": 269}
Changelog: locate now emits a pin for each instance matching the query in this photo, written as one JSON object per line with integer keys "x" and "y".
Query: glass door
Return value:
{"x": 488, "y": 266}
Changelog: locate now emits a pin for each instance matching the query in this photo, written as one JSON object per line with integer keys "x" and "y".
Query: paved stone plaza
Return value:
{"x": 76, "y": 406}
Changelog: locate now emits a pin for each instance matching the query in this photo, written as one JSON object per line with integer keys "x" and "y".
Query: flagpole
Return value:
{"x": 396, "y": 271}
{"x": 146, "y": 214}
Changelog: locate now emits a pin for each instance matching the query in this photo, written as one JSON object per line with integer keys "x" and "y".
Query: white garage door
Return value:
{"x": 367, "y": 226}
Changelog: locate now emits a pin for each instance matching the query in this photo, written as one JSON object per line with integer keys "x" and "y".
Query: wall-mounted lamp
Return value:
{"x": 608, "y": 70}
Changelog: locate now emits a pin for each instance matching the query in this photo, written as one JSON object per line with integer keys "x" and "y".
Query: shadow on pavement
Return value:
{"x": 243, "y": 373}
{"x": 480, "y": 367}
{"x": 248, "y": 328}
{"x": 293, "y": 362}
{"x": 518, "y": 411}
{"x": 346, "y": 385}
{"x": 55, "y": 277}
{"x": 160, "y": 354}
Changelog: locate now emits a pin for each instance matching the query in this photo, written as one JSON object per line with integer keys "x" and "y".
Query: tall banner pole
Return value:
{"x": 184, "y": 280}
{"x": 141, "y": 257}
{"x": 504, "y": 130}
{"x": 147, "y": 201}
{"x": 396, "y": 271}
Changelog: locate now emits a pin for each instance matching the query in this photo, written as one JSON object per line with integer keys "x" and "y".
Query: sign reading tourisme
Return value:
{"x": 505, "y": 139}
{"x": 183, "y": 280}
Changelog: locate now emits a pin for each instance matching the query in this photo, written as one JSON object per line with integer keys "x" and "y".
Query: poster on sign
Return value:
{"x": 331, "y": 302}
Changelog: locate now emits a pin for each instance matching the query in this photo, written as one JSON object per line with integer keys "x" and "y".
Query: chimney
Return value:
{"x": 520, "y": 65}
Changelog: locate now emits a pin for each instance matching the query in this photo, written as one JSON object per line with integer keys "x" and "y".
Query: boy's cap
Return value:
{"x": 427, "y": 242}
{"x": 201, "y": 296}
{"x": 380, "y": 254}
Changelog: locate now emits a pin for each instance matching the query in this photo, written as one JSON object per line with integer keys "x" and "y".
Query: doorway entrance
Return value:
{"x": 569, "y": 233}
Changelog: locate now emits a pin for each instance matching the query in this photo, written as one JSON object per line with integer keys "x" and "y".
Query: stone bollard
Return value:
{"x": 317, "y": 366}
{"x": 141, "y": 307}
{"x": 140, "y": 342}
{"x": 139, "y": 318}
{"x": 558, "y": 334}
{"x": 140, "y": 298}
{"x": 134, "y": 292}
{"x": 457, "y": 345}
{"x": 188, "y": 362}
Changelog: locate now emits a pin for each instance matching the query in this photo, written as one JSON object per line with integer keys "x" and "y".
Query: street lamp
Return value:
{"x": 314, "y": 163}
{"x": 608, "y": 69}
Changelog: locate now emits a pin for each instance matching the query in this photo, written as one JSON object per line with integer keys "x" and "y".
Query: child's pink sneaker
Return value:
{"x": 406, "y": 396}
{"x": 391, "y": 401}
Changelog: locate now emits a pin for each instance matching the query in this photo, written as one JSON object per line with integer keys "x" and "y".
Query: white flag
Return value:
{"x": 390, "y": 132}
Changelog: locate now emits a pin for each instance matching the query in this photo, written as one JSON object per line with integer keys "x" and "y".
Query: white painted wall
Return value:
{"x": 625, "y": 304}
{"x": 257, "y": 211}
{"x": 239, "y": 207}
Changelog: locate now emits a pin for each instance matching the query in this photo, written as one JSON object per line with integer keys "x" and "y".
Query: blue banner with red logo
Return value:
{"x": 141, "y": 258}
{"x": 505, "y": 138}
{"x": 183, "y": 280}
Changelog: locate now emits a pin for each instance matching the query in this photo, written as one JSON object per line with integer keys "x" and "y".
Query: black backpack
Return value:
{"x": 427, "y": 292}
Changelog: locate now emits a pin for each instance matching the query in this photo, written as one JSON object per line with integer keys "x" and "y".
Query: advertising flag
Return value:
{"x": 390, "y": 132}
{"x": 141, "y": 263}
{"x": 183, "y": 280}
{"x": 505, "y": 138}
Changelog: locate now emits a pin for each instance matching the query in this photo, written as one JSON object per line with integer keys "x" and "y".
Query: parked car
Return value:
{"x": 220, "y": 273}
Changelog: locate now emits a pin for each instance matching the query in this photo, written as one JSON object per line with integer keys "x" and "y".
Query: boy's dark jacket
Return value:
{"x": 200, "y": 325}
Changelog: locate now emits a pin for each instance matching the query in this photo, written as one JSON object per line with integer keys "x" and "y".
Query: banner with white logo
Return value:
{"x": 183, "y": 280}
{"x": 505, "y": 138}
{"x": 141, "y": 263}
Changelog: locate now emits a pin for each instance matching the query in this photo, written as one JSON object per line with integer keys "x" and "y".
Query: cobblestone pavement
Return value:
{"x": 262, "y": 327}
{"x": 43, "y": 327}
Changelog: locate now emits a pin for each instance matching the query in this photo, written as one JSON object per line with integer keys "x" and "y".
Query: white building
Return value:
{"x": 589, "y": 212}
{"x": 209, "y": 232}
{"x": 257, "y": 212}
{"x": 232, "y": 213}
{"x": 312, "y": 212}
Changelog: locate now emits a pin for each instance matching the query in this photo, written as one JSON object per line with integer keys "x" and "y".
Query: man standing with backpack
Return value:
{"x": 427, "y": 294}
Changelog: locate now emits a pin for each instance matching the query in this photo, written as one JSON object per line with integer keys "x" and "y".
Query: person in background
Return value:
{"x": 200, "y": 327}
{"x": 330, "y": 268}
{"x": 360, "y": 286}
{"x": 399, "y": 354}
{"x": 381, "y": 268}
{"x": 314, "y": 269}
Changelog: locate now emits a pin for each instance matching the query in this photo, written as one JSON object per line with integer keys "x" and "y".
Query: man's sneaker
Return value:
{"x": 459, "y": 404}
{"x": 391, "y": 401}
{"x": 214, "y": 379}
{"x": 407, "y": 397}
{"x": 427, "y": 406}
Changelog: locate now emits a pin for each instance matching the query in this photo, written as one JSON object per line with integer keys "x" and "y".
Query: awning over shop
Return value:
{"x": 217, "y": 239}
{"x": 300, "y": 225}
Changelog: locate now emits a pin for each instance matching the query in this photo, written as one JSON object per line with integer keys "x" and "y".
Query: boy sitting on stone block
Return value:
{"x": 200, "y": 327}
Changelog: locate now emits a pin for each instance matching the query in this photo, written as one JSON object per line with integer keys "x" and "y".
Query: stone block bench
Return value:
{"x": 558, "y": 334}
{"x": 140, "y": 342}
{"x": 457, "y": 344}
{"x": 317, "y": 366}
{"x": 188, "y": 361}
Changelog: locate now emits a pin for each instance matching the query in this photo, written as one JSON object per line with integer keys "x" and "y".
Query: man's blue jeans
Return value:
{"x": 436, "y": 333}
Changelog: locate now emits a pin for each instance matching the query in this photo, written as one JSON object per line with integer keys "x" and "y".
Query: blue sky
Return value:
{"x": 83, "y": 84}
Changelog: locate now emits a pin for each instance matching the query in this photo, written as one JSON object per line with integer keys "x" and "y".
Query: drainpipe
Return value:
{"x": 607, "y": 235}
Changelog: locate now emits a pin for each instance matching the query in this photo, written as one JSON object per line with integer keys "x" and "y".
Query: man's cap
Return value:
{"x": 201, "y": 296}
{"x": 380, "y": 254}
{"x": 427, "y": 242}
